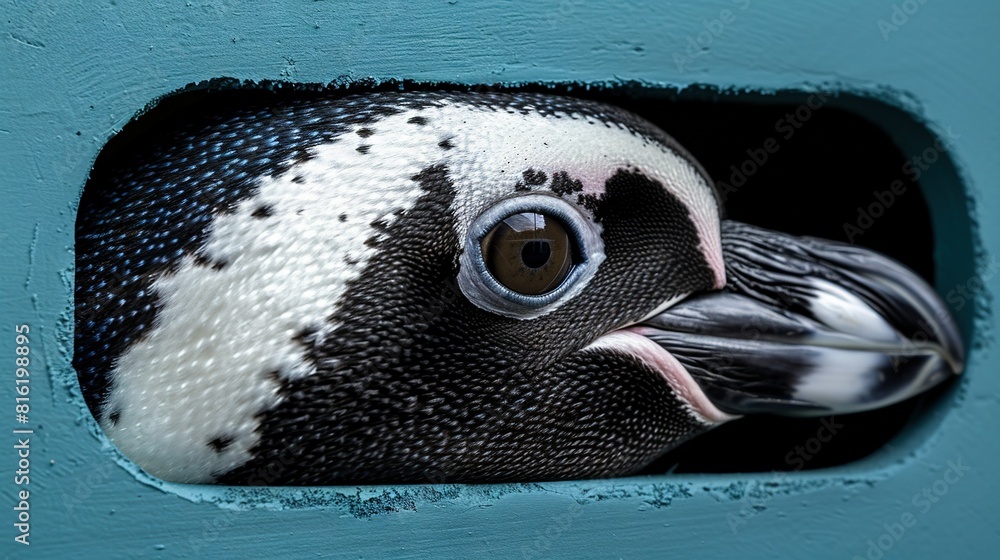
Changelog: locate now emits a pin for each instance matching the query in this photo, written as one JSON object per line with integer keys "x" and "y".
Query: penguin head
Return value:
{"x": 466, "y": 287}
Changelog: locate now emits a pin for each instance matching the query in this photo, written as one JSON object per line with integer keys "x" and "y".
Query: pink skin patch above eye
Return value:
{"x": 705, "y": 221}
{"x": 631, "y": 342}
{"x": 688, "y": 187}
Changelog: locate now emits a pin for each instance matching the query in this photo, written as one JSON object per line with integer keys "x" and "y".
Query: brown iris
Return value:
{"x": 528, "y": 253}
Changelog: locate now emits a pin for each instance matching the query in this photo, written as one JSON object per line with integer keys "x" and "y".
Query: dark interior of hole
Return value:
{"x": 827, "y": 164}
{"x": 824, "y": 169}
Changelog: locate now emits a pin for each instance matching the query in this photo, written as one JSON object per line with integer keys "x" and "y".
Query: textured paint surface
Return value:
{"x": 74, "y": 75}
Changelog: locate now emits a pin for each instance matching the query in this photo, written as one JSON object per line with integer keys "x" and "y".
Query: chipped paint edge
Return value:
{"x": 916, "y": 443}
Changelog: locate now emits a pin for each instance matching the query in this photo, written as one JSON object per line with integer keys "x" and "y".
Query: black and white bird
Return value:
{"x": 402, "y": 287}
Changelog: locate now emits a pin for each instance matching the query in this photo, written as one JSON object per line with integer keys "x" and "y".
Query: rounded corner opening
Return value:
{"x": 803, "y": 162}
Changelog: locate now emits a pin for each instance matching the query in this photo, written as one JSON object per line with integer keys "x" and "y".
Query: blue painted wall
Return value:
{"x": 74, "y": 74}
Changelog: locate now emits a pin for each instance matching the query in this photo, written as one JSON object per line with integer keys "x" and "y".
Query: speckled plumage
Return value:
{"x": 289, "y": 294}
{"x": 188, "y": 221}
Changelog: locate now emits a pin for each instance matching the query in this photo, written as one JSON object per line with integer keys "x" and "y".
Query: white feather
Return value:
{"x": 205, "y": 370}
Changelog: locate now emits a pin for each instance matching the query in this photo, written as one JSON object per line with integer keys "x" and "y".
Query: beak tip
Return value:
{"x": 811, "y": 327}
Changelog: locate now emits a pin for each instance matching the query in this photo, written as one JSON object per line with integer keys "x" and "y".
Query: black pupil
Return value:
{"x": 536, "y": 253}
{"x": 529, "y": 252}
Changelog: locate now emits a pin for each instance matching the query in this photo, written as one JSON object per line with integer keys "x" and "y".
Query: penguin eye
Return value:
{"x": 528, "y": 252}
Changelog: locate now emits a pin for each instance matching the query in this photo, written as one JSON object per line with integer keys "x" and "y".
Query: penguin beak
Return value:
{"x": 809, "y": 327}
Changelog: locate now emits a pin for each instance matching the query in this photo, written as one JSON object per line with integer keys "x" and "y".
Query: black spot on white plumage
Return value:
{"x": 534, "y": 177}
{"x": 418, "y": 120}
{"x": 219, "y": 444}
{"x": 264, "y": 211}
{"x": 306, "y": 336}
{"x": 137, "y": 222}
{"x": 363, "y": 149}
{"x": 589, "y": 202}
{"x": 446, "y": 144}
{"x": 302, "y": 156}
{"x": 563, "y": 184}
{"x": 200, "y": 259}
